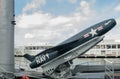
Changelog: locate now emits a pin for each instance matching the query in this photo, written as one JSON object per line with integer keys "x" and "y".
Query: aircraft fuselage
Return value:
{"x": 96, "y": 30}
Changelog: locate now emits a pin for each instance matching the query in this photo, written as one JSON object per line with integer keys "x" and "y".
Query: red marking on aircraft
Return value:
{"x": 86, "y": 35}
{"x": 100, "y": 28}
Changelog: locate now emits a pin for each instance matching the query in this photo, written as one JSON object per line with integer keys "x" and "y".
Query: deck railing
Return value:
{"x": 110, "y": 72}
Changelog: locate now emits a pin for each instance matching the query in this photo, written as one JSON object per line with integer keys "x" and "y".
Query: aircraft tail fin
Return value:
{"x": 29, "y": 57}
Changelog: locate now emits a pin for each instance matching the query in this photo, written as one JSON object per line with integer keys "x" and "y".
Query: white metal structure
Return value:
{"x": 110, "y": 72}
{"x": 105, "y": 48}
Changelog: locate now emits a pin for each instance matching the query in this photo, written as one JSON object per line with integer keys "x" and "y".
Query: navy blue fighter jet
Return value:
{"x": 57, "y": 59}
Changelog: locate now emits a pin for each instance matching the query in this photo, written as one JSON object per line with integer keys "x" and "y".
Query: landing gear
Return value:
{"x": 63, "y": 70}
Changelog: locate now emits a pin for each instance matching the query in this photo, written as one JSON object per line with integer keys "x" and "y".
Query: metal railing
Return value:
{"x": 110, "y": 66}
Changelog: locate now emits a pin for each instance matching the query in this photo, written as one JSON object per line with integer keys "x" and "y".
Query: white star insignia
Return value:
{"x": 93, "y": 32}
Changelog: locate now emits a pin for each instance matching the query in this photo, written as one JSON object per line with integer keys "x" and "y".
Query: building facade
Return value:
{"x": 104, "y": 48}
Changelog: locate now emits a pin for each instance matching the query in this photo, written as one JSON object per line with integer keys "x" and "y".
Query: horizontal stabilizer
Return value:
{"x": 29, "y": 57}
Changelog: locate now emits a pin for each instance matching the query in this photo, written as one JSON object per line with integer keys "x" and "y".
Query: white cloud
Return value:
{"x": 39, "y": 19}
{"x": 44, "y": 27}
{"x": 32, "y": 20}
{"x": 59, "y": 20}
{"x": 112, "y": 36}
{"x": 47, "y": 28}
{"x": 118, "y": 21}
{"x": 28, "y": 35}
{"x": 116, "y": 30}
{"x": 85, "y": 8}
{"x": 117, "y": 8}
{"x": 38, "y": 27}
{"x": 33, "y": 5}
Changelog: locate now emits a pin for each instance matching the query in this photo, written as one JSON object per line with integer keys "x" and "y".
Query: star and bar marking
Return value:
{"x": 93, "y": 32}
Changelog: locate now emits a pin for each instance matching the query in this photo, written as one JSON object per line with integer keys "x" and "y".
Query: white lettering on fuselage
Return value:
{"x": 107, "y": 23}
{"x": 41, "y": 58}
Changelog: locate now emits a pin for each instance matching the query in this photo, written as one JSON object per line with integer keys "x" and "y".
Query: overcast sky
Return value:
{"x": 52, "y": 21}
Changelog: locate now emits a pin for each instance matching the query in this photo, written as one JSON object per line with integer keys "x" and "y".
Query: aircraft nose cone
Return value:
{"x": 109, "y": 24}
{"x": 113, "y": 22}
